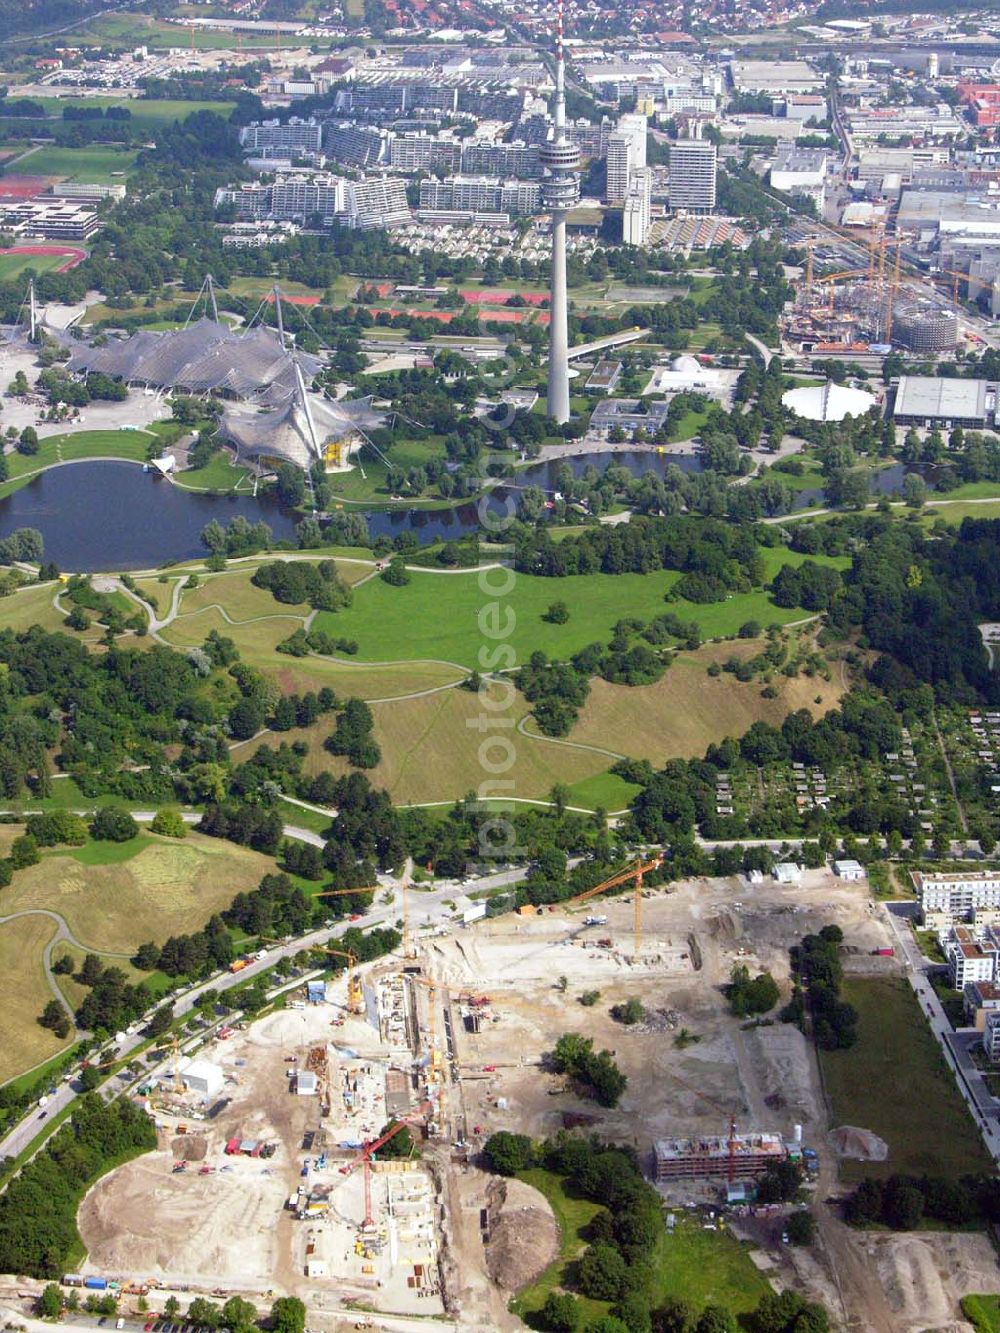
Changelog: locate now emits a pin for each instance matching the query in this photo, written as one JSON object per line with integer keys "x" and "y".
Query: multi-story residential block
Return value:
{"x": 357, "y": 145}
{"x": 517, "y": 159}
{"x": 619, "y": 166}
{"x": 276, "y": 138}
{"x": 971, "y": 959}
{"x": 417, "y": 150}
{"x": 692, "y": 176}
{"x": 953, "y": 898}
{"x": 479, "y": 194}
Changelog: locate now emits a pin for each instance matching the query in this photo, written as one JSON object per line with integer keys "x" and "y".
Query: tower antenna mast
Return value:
{"x": 561, "y": 191}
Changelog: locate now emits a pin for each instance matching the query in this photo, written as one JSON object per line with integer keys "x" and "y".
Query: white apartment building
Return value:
{"x": 991, "y": 1037}
{"x": 970, "y": 959}
{"x": 636, "y": 212}
{"x": 636, "y": 126}
{"x": 953, "y": 898}
{"x": 419, "y": 151}
{"x": 619, "y": 166}
{"x": 372, "y": 201}
{"x": 480, "y": 194}
{"x": 275, "y": 138}
{"x": 692, "y": 176}
{"x": 295, "y": 198}
{"x": 377, "y": 201}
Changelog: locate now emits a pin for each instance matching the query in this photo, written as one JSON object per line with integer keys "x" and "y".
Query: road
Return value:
{"x": 954, "y": 1045}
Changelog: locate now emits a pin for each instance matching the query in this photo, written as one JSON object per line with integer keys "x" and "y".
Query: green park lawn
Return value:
{"x": 971, "y": 490}
{"x": 982, "y": 1312}
{"x": 697, "y": 1266}
{"x": 865, "y": 1090}
{"x": 219, "y": 474}
{"x": 94, "y": 164}
{"x": 706, "y": 1267}
{"x": 438, "y": 615}
{"x": 143, "y": 111}
{"x": 604, "y": 791}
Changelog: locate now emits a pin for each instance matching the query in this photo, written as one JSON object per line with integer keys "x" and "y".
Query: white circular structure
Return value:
{"x": 828, "y": 402}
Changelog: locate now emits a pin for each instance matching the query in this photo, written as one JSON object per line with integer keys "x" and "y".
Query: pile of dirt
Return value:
{"x": 524, "y": 1236}
{"x": 860, "y": 1145}
{"x": 189, "y": 1148}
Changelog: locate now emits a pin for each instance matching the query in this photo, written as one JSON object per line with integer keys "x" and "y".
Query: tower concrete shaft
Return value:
{"x": 560, "y": 192}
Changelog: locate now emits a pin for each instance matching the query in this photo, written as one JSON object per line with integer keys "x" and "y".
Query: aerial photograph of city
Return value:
{"x": 500, "y": 666}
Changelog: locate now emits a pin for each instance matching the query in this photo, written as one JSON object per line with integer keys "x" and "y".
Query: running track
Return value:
{"x": 73, "y": 254}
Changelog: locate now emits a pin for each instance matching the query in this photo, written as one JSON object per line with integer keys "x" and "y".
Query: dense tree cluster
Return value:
{"x": 818, "y": 974}
{"x": 353, "y": 735}
{"x": 298, "y": 581}
{"x": 903, "y": 1202}
{"x": 726, "y": 556}
{"x": 751, "y": 995}
{"x": 593, "y": 1071}
{"x": 38, "y": 1209}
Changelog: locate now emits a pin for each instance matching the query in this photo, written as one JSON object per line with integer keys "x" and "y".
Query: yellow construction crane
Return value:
{"x": 355, "y": 995}
{"x": 178, "y": 1084}
{"x": 635, "y": 872}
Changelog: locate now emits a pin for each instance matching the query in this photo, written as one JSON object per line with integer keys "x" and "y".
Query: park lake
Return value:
{"x": 113, "y": 515}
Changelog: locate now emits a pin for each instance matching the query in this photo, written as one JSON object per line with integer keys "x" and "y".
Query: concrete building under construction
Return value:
{"x": 926, "y": 327}
{"x": 718, "y": 1157}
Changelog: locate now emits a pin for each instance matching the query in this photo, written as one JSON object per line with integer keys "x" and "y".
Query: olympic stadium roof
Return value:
{"x": 284, "y": 431}
{"x": 205, "y": 357}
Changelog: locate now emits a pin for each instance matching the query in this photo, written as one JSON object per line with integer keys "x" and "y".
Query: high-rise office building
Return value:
{"x": 692, "y": 176}
{"x": 636, "y": 127}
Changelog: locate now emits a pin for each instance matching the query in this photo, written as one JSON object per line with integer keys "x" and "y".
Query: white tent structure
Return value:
{"x": 828, "y": 402}
{"x": 272, "y": 416}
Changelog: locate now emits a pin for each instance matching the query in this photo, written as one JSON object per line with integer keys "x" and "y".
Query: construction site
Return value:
{"x": 873, "y": 308}
{"x": 334, "y": 1154}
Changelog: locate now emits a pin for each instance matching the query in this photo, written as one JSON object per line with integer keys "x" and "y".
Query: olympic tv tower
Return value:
{"x": 560, "y": 192}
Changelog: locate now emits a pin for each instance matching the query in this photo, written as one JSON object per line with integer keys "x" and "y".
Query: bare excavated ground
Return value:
{"x": 229, "y": 1229}
{"x": 226, "y": 1228}
{"x": 692, "y": 939}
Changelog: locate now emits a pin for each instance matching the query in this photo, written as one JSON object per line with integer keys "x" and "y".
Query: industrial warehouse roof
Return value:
{"x": 933, "y": 396}
{"x": 285, "y": 431}
{"x": 828, "y": 402}
{"x": 205, "y": 356}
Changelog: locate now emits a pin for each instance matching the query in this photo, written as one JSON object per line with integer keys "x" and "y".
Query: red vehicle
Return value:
{"x": 489, "y": 1069}
{"x": 355, "y": 916}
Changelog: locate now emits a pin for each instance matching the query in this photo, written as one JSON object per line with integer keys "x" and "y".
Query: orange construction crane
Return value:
{"x": 368, "y": 1150}
{"x": 635, "y": 872}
